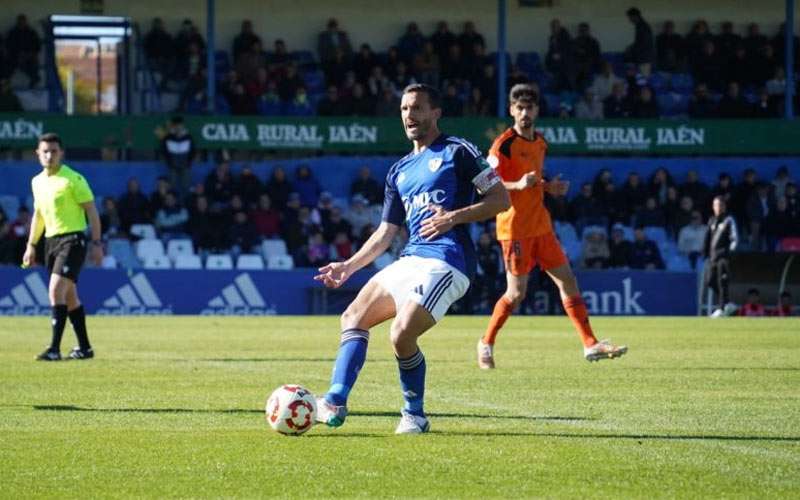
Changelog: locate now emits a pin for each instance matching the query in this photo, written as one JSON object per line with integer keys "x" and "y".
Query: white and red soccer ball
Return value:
{"x": 291, "y": 409}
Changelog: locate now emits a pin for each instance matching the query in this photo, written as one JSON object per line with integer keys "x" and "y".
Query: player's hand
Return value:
{"x": 528, "y": 180}
{"x": 96, "y": 254}
{"x": 558, "y": 187}
{"x": 436, "y": 225}
{"x": 29, "y": 259}
{"x": 334, "y": 274}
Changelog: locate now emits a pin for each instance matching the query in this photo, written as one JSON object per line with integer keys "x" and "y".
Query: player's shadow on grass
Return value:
{"x": 559, "y": 435}
{"x": 718, "y": 368}
{"x": 393, "y": 414}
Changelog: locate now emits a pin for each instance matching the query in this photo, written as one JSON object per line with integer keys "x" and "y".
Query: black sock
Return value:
{"x": 78, "y": 319}
{"x": 59, "y": 320}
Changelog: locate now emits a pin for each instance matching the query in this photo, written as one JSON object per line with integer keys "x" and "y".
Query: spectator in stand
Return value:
{"x": 586, "y": 54}
{"x": 427, "y": 65}
{"x": 266, "y": 219}
{"x": 707, "y": 67}
{"x": 248, "y": 186}
{"x": 696, "y": 189}
{"x": 18, "y": 232}
{"x": 159, "y": 197}
{"x": 468, "y": 39}
{"x": 250, "y": 61}
{"x": 366, "y": 186}
{"x": 619, "y": 248}
{"x": 727, "y": 41}
{"x": 793, "y": 201}
{"x": 243, "y": 42}
{"x": 454, "y": 67}
{"x": 645, "y": 105}
{"x": 741, "y": 196}
{"x": 307, "y": 186}
{"x": 189, "y": 66}
{"x": 487, "y": 82}
{"x": 319, "y": 252}
{"x": 442, "y": 39}
{"x": 378, "y": 82}
{"x": 8, "y": 252}
{"x": 451, "y": 102}
{"x": 363, "y": 62}
{"x": 601, "y": 179}
{"x": 780, "y": 224}
{"x": 754, "y": 41}
{"x": 724, "y": 188}
{"x": 644, "y": 252}
{"x": 279, "y": 59}
{"x": 617, "y": 104}
{"x": 332, "y": 104}
{"x": 650, "y": 214}
{"x": 388, "y": 103}
{"x": 589, "y": 107}
{"x": 680, "y": 215}
{"x": 390, "y": 63}
{"x": 258, "y": 87}
{"x": 336, "y": 69}
{"x": 300, "y": 104}
{"x": 763, "y": 68}
{"x": 190, "y": 201}
{"x": 342, "y": 246}
{"x": 670, "y": 52}
{"x": 23, "y": 45}
{"x": 331, "y": 39}
{"x": 278, "y": 188}
{"x": 410, "y": 44}
{"x": 560, "y": 58}
{"x": 9, "y": 102}
{"x": 239, "y": 101}
{"x": 738, "y": 68}
{"x": 780, "y": 181}
{"x": 178, "y": 150}
{"x": 759, "y": 208}
{"x": 401, "y": 78}
{"x": 489, "y": 258}
{"x": 476, "y": 105}
{"x": 586, "y": 210}
{"x": 290, "y": 223}
{"x": 186, "y": 37}
{"x": 753, "y": 308}
{"x": 595, "y": 252}
{"x": 171, "y": 219}
{"x": 287, "y": 88}
{"x": 765, "y": 107}
{"x": 776, "y": 86}
{"x": 159, "y": 47}
{"x": 361, "y": 104}
{"x": 219, "y": 187}
{"x": 778, "y": 43}
{"x": 700, "y": 104}
{"x": 695, "y": 41}
{"x": 691, "y": 238}
{"x": 336, "y": 225}
{"x": 110, "y": 221}
{"x": 659, "y": 184}
{"x": 243, "y": 234}
{"x": 733, "y": 105}
{"x": 604, "y": 82}
{"x": 203, "y": 228}
{"x": 785, "y": 305}
{"x": 133, "y": 206}
{"x": 642, "y": 51}
{"x": 359, "y": 215}
{"x": 633, "y": 193}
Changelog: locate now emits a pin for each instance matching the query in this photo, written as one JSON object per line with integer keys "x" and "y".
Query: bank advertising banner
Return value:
{"x": 265, "y": 293}
{"x": 385, "y": 135}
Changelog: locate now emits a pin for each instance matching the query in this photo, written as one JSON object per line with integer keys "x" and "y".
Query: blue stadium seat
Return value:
{"x": 657, "y": 234}
{"x": 293, "y": 109}
{"x": 682, "y": 83}
{"x": 672, "y": 104}
{"x": 678, "y": 262}
{"x": 268, "y": 108}
{"x": 122, "y": 251}
{"x": 221, "y": 105}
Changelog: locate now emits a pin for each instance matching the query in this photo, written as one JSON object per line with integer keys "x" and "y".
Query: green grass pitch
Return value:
{"x": 173, "y": 407}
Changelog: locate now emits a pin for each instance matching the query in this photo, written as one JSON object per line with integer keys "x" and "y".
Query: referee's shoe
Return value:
{"x": 49, "y": 355}
{"x": 78, "y": 353}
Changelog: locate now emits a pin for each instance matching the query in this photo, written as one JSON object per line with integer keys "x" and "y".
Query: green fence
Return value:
{"x": 385, "y": 135}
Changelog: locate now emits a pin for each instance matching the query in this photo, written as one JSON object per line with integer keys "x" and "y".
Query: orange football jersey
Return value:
{"x": 513, "y": 156}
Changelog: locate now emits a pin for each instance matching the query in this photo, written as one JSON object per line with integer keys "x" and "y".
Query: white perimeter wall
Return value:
{"x": 380, "y": 23}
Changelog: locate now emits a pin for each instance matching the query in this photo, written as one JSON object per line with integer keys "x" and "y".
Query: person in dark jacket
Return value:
{"x": 642, "y": 51}
{"x": 644, "y": 252}
{"x": 178, "y": 150}
{"x": 722, "y": 239}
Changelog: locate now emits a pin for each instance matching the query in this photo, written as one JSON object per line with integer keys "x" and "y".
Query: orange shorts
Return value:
{"x": 521, "y": 256}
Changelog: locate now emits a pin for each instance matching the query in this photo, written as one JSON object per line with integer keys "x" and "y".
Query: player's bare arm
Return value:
{"x": 495, "y": 200}
{"x": 96, "y": 245}
{"x": 37, "y": 228}
{"x": 336, "y": 273}
{"x": 526, "y": 181}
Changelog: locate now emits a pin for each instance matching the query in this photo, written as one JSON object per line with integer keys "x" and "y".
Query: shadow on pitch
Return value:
{"x": 560, "y": 435}
{"x": 717, "y": 368}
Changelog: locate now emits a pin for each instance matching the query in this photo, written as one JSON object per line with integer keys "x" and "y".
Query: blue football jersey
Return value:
{"x": 447, "y": 173}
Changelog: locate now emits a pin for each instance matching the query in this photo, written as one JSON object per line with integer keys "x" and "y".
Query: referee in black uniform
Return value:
{"x": 62, "y": 202}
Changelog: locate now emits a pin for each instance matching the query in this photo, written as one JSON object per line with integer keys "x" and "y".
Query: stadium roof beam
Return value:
{"x": 788, "y": 32}
{"x": 501, "y": 58}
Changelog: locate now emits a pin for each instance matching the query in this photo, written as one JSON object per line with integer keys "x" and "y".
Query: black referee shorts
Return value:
{"x": 65, "y": 254}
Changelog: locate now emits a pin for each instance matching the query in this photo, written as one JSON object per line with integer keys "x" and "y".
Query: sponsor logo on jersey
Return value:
{"x": 422, "y": 200}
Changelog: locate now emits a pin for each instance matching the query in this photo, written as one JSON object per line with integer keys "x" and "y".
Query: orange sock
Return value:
{"x": 576, "y": 310}
{"x": 502, "y": 310}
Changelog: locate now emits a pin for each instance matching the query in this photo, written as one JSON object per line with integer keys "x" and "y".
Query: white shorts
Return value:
{"x": 432, "y": 283}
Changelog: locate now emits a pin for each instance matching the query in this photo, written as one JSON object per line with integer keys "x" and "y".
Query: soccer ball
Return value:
{"x": 291, "y": 409}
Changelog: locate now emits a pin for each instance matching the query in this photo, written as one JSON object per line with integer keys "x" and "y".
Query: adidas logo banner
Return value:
{"x": 26, "y": 294}
{"x": 240, "y": 298}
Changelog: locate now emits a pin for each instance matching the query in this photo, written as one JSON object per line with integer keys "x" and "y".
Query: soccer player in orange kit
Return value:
{"x": 526, "y": 232}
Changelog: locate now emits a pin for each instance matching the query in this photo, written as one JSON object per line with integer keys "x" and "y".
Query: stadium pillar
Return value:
{"x": 211, "y": 69}
{"x": 788, "y": 32}
{"x": 501, "y": 58}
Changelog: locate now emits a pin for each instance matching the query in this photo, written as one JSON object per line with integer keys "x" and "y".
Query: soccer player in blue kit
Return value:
{"x": 432, "y": 191}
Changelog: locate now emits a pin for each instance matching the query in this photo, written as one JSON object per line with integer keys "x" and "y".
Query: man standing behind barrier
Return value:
{"x": 62, "y": 202}
{"x": 721, "y": 240}
{"x": 178, "y": 150}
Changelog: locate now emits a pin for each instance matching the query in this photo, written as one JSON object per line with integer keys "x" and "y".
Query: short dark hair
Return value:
{"x": 50, "y": 137}
{"x": 434, "y": 98}
{"x": 523, "y": 92}
{"x": 633, "y": 12}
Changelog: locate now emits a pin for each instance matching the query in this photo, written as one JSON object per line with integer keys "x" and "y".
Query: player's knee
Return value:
{"x": 515, "y": 297}
{"x": 351, "y": 317}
